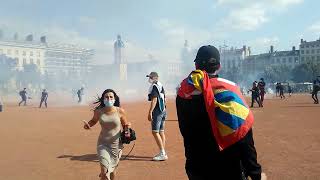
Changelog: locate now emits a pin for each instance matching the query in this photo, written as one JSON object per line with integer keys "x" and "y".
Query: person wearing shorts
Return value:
{"x": 157, "y": 114}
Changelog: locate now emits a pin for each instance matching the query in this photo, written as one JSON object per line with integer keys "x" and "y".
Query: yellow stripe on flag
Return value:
{"x": 234, "y": 109}
{"x": 197, "y": 77}
{"x": 224, "y": 130}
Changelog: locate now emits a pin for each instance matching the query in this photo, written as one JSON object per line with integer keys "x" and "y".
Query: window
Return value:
{"x": 307, "y": 46}
{"x": 17, "y": 52}
{"x": 38, "y": 62}
{"x": 39, "y": 54}
{"x": 302, "y": 46}
{"x": 290, "y": 59}
{"x": 318, "y": 58}
{"x": 318, "y": 51}
{"x": 312, "y": 58}
{"x": 278, "y": 60}
{"x": 31, "y": 61}
{"x": 31, "y": 53}
{"x": 307, "y": 51}
{"x": 24, "y": 61}
{"x": 9, "y": 51}
{"x": 312, "y": 51}
{"x": 284, "y": 60}
{"x": 1, "y": 51}
{"x": 24, "y": 53}
{"x": 302, "y": 59}
{"x": 296, "y": 59}
{"x": 307, "y": 58}
{"x": 302, "y": 51}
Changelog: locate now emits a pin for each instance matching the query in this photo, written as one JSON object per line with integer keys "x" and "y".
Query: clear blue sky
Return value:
{"x": 160, "y": 27}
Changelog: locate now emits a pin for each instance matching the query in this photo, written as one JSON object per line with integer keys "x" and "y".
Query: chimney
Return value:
{"x": 293, "y": 48}
{"x": 271, "y": 49}
{"x": 301, "y": 41}
{"x": 249, "y": 50}
{"x": 15, "y": 36}
{"x": 29, "y": 37}
{"x": 43, "y": 39}
{"x": 1, "y": 34}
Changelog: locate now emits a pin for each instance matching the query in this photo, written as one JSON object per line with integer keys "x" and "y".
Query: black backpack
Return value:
{"x": 127, "y": 140}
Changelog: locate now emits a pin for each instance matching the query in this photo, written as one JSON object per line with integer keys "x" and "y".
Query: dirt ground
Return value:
{"x": 40, "y": 144}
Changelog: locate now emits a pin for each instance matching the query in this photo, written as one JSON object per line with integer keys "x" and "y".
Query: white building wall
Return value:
{"x": 310, "y": 51}
{"x": 24, "y": 53}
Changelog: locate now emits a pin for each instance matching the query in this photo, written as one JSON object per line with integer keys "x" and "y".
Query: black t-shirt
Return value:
{"x": 155, "y": 93}
{"x": 261, "y": 85}
{"x": 44, "y": 95}
{"x": 23, "y": 93}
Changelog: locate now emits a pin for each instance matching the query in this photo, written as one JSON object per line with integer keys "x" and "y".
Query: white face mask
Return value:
{"x": 108, "y": 103}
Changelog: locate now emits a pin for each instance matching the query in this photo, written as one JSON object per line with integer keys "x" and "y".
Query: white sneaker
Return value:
{"x": 160, "y": 157}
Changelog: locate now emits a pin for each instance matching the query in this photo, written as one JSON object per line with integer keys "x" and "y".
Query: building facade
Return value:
{"x": 287, "y": 58}
{"x": 49, "y": 58}
{"x": 233, "y": 58}
{"x": 67, "y": 60}
{"x": 310, "y": 51}
{"x": 24, "y": 53}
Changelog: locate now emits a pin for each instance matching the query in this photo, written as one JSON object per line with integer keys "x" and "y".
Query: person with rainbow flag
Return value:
{"x": 216, "y": 124}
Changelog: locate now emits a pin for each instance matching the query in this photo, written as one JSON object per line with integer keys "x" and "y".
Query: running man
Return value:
{"x": 23, "y": 95}
{"x": 44, "y": 97}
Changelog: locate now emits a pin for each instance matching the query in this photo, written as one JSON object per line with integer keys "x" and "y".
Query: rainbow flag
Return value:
{"x": 230, "y": 116}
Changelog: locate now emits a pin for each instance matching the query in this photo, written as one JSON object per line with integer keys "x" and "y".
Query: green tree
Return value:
{"x": 306, "y": 72}
{"x": 7, "y": 71}
{"x": 277, "y": 73}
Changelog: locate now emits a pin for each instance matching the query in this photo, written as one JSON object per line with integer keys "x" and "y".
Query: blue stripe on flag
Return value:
{"x": 229, "y": 120}
{"x": 227, "y": 96}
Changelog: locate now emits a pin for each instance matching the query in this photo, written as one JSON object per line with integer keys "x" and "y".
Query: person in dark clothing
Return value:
{"x": 289, "y": 90}
{"x": 1, "y": 105}
{"x": 80, "y": 94}
{"x": 277, "y": 89}
{"x": 255, "y": 94}
{"x": 23, "y": 95}
{"x": 281, "y": 90}
{"x": 261, "y": 86}
{"x": 44, "y": 97}
{"x": 204, "y": 158}
{"x": 315, "y": 90}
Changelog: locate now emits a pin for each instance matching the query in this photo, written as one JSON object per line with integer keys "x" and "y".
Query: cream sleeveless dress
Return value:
{"x": 109, "y": 146}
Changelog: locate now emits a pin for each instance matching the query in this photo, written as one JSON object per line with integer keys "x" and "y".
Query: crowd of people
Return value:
{"x": 214, "y": 121}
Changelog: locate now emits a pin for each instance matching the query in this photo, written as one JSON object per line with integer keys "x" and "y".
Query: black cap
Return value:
{"x": 208, "y": 55}
{"x": 152, "y": 74}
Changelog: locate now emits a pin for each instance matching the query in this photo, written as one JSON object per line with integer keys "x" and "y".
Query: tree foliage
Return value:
{"x": 306, "y": 72}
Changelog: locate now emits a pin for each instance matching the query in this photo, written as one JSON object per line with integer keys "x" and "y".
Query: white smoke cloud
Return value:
{"x": 247, "y": 19}
{"x": 315, "y": 27}
{"x": 247, "y": 15}
{"x": 279, "y": 4}
{"x": 263, "y": 44}
{"x": 176, "y": 33}
{"x": 86, "y": 20}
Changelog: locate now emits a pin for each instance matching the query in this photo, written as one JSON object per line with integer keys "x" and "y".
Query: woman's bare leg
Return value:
{"x": 103, "y": 174}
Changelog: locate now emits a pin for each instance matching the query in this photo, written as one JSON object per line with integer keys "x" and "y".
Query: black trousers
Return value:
{"x": 79, "y": 98}
{"x": 255, "y": 98}
{"x": 315, "y": 96}
{"x": 23, "y": 100}
{"x": 45, "y": 102}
